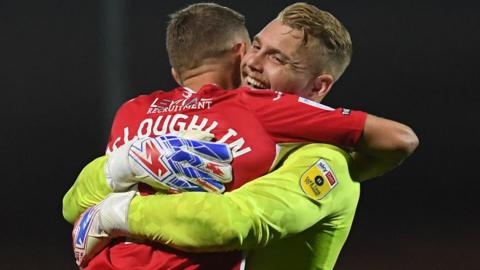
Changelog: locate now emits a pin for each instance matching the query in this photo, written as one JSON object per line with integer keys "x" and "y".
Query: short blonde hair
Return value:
{"x": 323, "y": 27}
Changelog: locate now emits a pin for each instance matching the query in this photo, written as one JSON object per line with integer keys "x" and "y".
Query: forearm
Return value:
{"x": 366, "y": 166}
{"x": 265, "y": 209}
{"x": 210, "y": 222}
{"x": 89, "y": 189}
{"x": 384, "y": 145}
{"x": 192, "y": 221}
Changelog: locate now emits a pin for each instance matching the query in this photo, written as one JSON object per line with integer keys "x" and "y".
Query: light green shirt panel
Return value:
{"x": 316, "y": 248}
{"x": 319, "y": 246}
{"x": 89, "y": 189}
{"x": 268, "y": 208}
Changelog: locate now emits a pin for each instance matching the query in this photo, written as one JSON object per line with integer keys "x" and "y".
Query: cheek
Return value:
{"x": 247, "y": 58}
{"x": 295, "y": 83}
{"x": 288, "y": 83}
{"x": 281, "y": 80}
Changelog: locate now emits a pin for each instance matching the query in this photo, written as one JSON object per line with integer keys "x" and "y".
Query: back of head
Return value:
{"x": 201, "y": 32}
{"x": 324, "y": 34}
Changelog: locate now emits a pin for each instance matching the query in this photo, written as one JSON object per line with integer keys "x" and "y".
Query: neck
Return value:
{"x": 209, "y": 77}
{"x": 220, "y": 74}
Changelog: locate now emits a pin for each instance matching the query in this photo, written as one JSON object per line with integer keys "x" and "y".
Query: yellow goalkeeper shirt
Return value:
{"x": 303, "y": 211}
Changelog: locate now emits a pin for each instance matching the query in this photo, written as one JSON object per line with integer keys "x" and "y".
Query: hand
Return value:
{"x": 172, "y": 162}
{"x": 94, "y": 229}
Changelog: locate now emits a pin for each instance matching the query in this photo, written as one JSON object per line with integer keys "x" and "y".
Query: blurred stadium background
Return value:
{"x": 65, "y": 66}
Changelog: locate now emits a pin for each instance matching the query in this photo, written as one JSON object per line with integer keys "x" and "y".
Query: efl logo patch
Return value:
{"x": 318, "y": 180}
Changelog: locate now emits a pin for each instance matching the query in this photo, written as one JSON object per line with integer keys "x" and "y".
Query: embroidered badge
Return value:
{"x": 318, "y": 180}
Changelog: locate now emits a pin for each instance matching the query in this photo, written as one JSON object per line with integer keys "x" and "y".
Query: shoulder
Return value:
{"x": 146, "y": 100}
{"x": 256, "y": 92}
{"x": 322, "y": 150}
{"x": 267, "y": 95}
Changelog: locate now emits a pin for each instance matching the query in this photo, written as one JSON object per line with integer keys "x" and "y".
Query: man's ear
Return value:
{"x": 321, "y": 86}
{"x": 176, "y": 77}
{"x": 240, "y": 48}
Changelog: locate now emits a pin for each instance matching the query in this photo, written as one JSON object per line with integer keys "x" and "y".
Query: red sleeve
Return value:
{"x": 289, "y": 118}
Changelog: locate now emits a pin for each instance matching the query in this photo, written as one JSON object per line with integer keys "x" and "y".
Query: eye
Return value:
{"x": 256, "y": 46}
{"x": 277, "y": 59}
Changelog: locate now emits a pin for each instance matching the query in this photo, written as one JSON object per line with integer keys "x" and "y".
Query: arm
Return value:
{"x": 89, "y": 189}
{"x": 383, "y": 146}
{"x": 130, "y": 164}
{"x": 265, "y": 209}
{"x": 379, "y": 144}
{"x": 91, "y": 186}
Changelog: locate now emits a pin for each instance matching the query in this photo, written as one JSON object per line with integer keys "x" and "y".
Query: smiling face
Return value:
{"x": 279, "y": 60}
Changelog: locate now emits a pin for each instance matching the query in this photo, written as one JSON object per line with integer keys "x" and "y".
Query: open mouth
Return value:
{"x": 253, "y": 83}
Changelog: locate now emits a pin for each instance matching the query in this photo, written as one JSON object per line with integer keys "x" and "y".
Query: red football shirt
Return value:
{"x": 252, "y": 122}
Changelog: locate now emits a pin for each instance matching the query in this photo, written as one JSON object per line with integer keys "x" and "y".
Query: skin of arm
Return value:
{"x": 383, "y": 146}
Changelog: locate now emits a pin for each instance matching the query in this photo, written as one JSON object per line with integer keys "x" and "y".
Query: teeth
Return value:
{"x": 255, "y": 83}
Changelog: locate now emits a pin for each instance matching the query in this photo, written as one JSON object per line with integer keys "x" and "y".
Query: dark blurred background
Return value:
{"x": 65, "y": 66}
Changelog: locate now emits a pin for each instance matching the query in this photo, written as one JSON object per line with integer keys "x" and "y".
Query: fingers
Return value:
{"x": 181, "y": 184}
{"x": 206, "y": 184}
{"x": 188, "y": 157}
{"x": 184, "y": 160}
{"x": 217, "y": 151}
{"x": 211, "y": 150}
{"x": 183, "y": 164}
{"x": 203, "y": 179}
{"x": 86, "y": 240}
{"x": 221, "y": 171}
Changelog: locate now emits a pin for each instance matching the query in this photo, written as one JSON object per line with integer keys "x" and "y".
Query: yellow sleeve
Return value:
{"x": 89, "y": 189}
{"x": 265, "y": 209}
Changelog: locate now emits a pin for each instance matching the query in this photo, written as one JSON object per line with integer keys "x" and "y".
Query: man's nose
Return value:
{"x": 255, "y": 62}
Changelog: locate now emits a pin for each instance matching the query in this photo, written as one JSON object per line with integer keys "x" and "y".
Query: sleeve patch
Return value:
{"x": 318, "y": 180}
{"x": 346, "y": 111}
{"x": 315, "y": 104}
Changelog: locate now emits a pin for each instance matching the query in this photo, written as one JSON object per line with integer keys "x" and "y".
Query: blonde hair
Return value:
{"x": 323, "y": 27}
